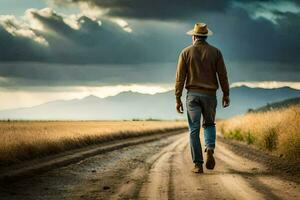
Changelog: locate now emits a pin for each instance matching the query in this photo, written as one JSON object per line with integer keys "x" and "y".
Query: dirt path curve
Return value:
{"x": 156, "y": 170}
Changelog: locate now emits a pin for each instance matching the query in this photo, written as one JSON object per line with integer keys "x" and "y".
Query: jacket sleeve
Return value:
{"x": 180, "y": 76}
{"x": 222, "y": 74}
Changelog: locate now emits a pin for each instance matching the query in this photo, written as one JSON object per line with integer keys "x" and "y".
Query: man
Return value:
{"x": 199, "y": 68}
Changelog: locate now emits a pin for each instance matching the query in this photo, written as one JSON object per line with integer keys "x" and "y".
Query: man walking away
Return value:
{"x": 199, "y": 68}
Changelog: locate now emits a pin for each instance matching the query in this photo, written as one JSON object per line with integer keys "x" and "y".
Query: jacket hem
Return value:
{"x": 203, "y": 90}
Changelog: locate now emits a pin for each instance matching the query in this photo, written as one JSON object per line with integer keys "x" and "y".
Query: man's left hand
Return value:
{"x": 179, "y": 107}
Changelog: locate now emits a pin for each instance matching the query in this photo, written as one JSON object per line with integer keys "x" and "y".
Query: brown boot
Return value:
{"x": 198, "y": 168}
{"x": 210, "y": 160}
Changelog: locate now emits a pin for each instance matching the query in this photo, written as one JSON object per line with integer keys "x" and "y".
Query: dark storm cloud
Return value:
{"x": 236, "y": 33}
{"x": 23, "y": 75}
{"x": 18, "y": 75}
{"x": 19, "y": 48}
{"x": 260, "y": 39}
{"x": 168, "y": 10}
{"x": 106, "y": 54}
{"x": 91, "y": 43}
{"x": 95, "y": 41}
{"x": 239, "y": 35}
{"x": 154, "y": 9}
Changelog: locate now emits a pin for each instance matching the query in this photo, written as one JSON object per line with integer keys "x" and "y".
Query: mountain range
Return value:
{"x": 130, "y": 105}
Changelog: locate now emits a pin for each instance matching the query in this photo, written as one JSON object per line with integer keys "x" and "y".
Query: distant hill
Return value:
{"x": 277, "y": 105}
{"x": 129, "y": 105}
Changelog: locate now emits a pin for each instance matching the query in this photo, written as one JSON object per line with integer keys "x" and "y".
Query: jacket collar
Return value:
{"x": 200, "y": 42}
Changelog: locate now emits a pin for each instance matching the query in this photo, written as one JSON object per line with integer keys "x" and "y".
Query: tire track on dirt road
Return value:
{"x": 159, "y": 184}
{"x": 151, "y": 180}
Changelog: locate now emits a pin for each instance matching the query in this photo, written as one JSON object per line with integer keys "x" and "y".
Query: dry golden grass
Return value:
{"x": 277, "y": 131}
{"x": 23, "y": 140}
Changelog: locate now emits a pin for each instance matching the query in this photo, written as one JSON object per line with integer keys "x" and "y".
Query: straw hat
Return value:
{"x": 201, "y": 30}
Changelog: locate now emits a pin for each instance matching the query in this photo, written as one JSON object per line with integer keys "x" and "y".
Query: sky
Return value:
{"x": 63, "y": 49}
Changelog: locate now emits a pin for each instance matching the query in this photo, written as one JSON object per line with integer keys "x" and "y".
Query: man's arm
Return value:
{"x": 223, "y": 79}
{"x": 180, "y": 76}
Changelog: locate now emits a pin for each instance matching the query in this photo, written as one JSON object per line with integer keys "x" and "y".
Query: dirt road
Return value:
{"x": 157, "y": 170}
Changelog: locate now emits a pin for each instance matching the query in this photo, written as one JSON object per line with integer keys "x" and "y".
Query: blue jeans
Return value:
{"x": 197, "y": 104}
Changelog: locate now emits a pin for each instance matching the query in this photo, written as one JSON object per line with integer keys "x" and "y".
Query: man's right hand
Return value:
{"x": 179, "y": 107}
{"x": 225, "y": 101}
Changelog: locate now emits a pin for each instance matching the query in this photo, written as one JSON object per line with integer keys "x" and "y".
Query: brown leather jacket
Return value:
{"x": 198, "y": 67}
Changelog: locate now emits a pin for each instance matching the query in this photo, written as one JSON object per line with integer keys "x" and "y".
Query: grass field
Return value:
{"x": 277, "y": 131}
{"x": 24, "y": 140}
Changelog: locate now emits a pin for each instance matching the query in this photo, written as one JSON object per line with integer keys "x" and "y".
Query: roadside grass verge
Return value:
{"x": 26, "y": 140}
{"x": 275, "y": 131}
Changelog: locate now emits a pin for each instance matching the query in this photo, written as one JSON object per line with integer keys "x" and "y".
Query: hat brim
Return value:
{"x": 191, "y": 32}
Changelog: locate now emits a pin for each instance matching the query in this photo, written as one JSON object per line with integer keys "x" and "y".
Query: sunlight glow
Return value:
{"x": 91, "y": 11}
{"x": 122, "y": 23}
{"x": 27, "y": 98}
{"x": 72, "y": 21}
{"x": 18, "y": 28}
